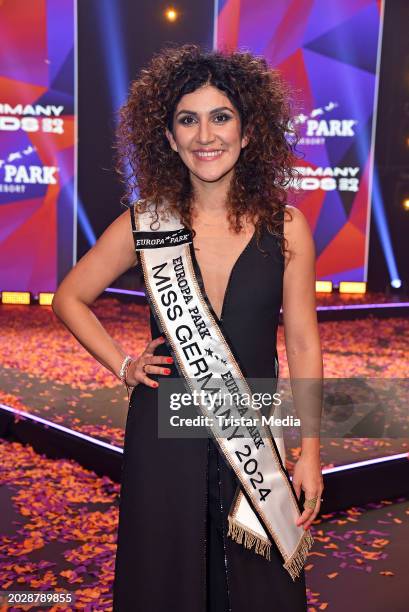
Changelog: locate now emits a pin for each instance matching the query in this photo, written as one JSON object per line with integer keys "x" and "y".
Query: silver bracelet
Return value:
{"x": 124, "y": 369}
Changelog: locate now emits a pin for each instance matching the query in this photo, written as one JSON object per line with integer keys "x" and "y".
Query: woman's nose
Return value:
{"x": 205, "y": 135}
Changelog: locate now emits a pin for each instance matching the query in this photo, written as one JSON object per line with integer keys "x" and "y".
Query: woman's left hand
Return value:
{"x": 308, "y": 477}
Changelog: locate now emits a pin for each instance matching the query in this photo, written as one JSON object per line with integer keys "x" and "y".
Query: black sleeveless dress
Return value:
{"x": 173, "y": 552}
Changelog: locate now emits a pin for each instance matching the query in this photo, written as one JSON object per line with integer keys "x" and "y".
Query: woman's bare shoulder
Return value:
{"x": 121, "y": 227}
{"x": 296, "y": 226}
{"x": 128, "y": 220}
{"x": 299, "y": 240}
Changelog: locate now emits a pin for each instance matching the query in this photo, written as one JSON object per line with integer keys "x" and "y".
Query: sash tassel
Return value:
{"x": 238, "y": 533}
{"x": 295, "y": 565}
{"x": 248, "y": 539}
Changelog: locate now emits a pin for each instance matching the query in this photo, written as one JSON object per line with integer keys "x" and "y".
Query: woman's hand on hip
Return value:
{"x": 148, "y": 363}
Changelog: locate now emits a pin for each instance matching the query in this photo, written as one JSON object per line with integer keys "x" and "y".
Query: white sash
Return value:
{"x": 205, "y": 360}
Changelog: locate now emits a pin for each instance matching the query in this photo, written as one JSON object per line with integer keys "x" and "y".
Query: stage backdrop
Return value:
{"x": 327, "y": 51}
{"x": 37, "y": 143}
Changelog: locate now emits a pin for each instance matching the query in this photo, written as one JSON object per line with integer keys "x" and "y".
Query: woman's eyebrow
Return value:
{"x": 214, "y": 110}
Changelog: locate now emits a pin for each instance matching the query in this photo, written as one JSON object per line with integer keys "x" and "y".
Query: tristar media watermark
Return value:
{"x": 229, "y": 421}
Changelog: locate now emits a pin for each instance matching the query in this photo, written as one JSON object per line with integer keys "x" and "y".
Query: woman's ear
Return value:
{"x": 247, "y": 136}
{"x": 244, "y": 141}
{"x": 171, "y": 140}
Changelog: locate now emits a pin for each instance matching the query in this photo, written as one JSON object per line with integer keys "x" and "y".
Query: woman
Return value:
{"x": 205, "y": 137}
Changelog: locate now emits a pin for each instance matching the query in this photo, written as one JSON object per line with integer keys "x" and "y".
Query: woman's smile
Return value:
{"x": 207, "y": 156}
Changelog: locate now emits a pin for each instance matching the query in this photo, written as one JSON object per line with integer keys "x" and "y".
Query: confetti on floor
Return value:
{"x": 59, "y": 527}
{"x": 36, "y": 342}
{"x": 45, "y": 371}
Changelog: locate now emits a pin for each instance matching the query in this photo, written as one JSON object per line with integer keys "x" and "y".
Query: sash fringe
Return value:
{"x": 238, "y": 534}
{"x": 296, "y": 563}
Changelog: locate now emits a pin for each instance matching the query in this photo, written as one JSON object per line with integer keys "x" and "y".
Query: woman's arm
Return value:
{"x": 304, "y": 354}
{"x": 112, "y": 255}
{"x": 302, "y": 339}
{"x": 299, "y": 302}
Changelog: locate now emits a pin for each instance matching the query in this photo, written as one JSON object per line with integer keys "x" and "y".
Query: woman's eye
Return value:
{"x": 188, "y": 120}
{"x": 222, "y": 118}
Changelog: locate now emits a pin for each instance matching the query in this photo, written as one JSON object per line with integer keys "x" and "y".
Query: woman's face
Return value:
{"x": 207, "y": 133}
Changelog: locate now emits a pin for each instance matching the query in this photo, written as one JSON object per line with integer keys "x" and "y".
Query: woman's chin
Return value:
{"x": 211, "y": 176}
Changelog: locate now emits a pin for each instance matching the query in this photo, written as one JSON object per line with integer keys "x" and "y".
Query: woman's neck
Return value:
{"x": 210, "y": 199}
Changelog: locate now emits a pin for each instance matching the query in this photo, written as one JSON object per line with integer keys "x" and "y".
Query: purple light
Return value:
{"x": 358, "y": 464}
{"x": 71, "y": 432}
{"x": 125, "y": 291}
{"x": 362, "y": 306}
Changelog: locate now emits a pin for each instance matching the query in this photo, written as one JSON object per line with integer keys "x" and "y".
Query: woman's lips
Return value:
{"x": 211, "y": 156}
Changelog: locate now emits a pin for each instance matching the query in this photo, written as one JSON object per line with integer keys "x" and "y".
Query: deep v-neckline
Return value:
{"x": 232, "y": 270}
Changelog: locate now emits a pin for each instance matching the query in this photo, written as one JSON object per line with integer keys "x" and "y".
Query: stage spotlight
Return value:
{"x": 45, "y": 299}
{"x": 171, "y": 14}
{"x": 15, "y": 297}
{"x": 112, "y": 46}
{"x": 397, "y": 287}
{"x": 381, "y": 222}
{"x": 352, "y": 287}
{"x": 405, "y": 203}
{"x": 85, "y": 223}
{"x": 396, "y": 283}
{"x": 323, "y": 286}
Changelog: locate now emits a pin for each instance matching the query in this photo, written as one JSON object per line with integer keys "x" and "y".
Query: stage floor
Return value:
{"x": 45, "y": 372}
{"x": 59, "y": 528}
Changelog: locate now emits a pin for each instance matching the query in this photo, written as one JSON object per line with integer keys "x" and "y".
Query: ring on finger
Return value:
{"x": 143, "y": 368}
{"x": 310, "y": 503}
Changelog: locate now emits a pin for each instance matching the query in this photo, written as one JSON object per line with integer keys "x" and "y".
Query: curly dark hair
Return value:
{"x": 264, "y": 169}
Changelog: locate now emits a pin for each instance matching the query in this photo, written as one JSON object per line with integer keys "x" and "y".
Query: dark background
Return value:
{"x": 141, "y": 30}
{"x": 392, "y": 144}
